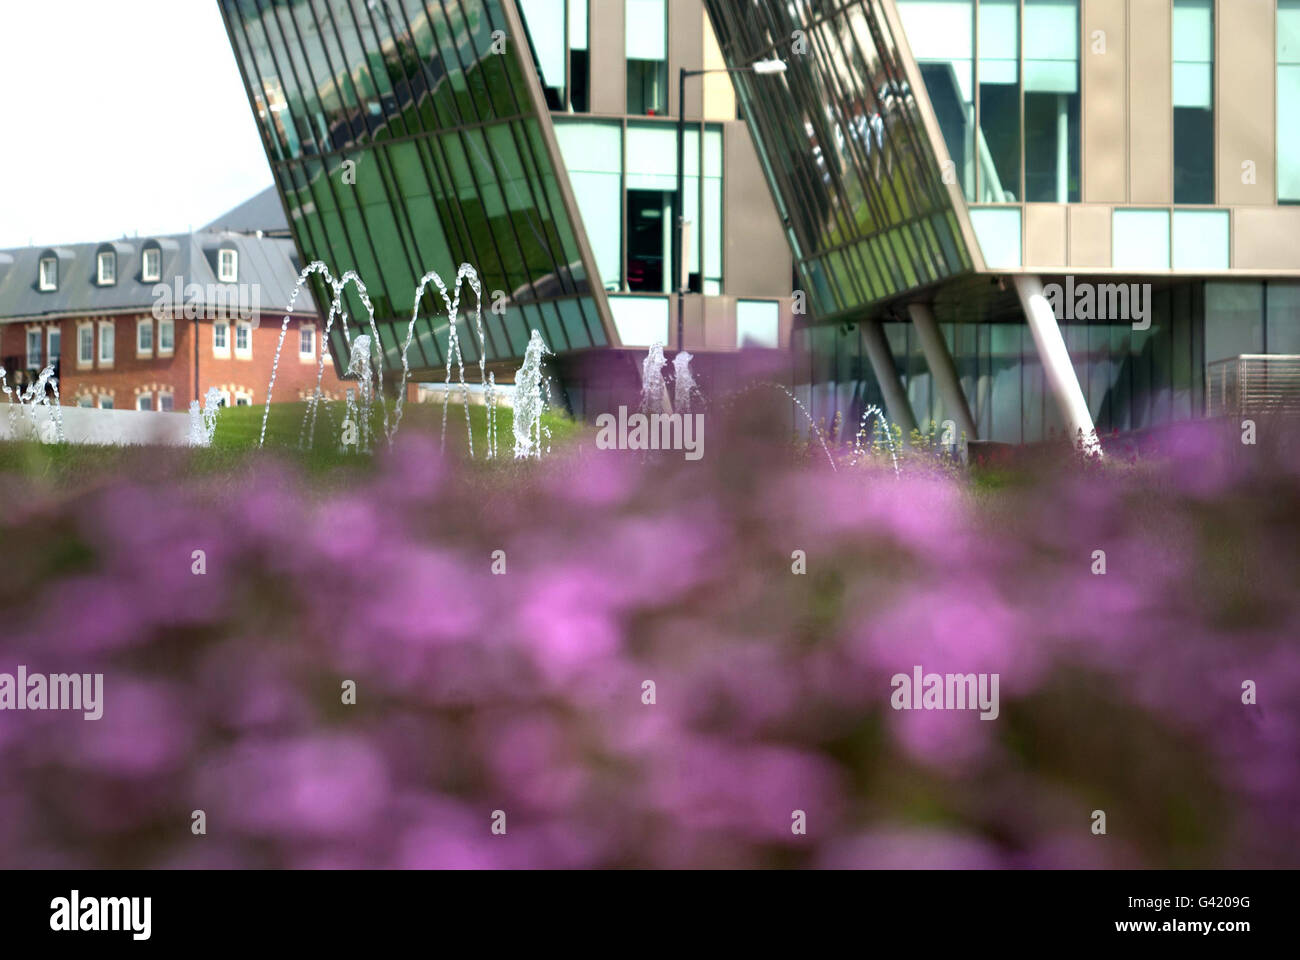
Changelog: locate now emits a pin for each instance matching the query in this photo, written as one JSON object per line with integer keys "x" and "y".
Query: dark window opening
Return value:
{"x": 578, "y": 81}
{"x": 1193, "y": 155}
{"x": 1051, "y": 134}
{"x": 649, "y": 240}
{"x": 647, "y": 87}
{"x": 1000, "y": 126}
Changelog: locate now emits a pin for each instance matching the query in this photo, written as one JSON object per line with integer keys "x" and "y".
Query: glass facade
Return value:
{"x": 403, "y": 138}
{"x": 988, "y": 80}
{"x": 1004, "y": 80}
{"x": 840, "y": 136}
{"x": 1245, "y": 316}
{"x": 1132, "y": 379}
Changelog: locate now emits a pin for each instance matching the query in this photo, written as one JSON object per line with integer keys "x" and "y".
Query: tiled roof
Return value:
{"x": 269, "y": 262}
{"x": 263, "y": 212}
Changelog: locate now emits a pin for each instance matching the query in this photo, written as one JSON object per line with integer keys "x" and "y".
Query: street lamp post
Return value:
{"x": 679, "y": 281}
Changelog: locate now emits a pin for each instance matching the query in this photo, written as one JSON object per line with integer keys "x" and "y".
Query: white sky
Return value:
{"x": 118, "y": 118}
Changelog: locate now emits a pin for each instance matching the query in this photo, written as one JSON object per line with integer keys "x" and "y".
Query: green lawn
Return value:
{"x": 235, "y": 445}
{"x": 238, "y": 428}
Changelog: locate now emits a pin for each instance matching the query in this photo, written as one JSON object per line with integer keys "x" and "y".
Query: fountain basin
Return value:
{"x": 94, "y": 426}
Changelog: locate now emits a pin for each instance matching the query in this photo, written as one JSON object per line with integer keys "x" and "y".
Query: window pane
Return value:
{"x": 757, "y": 323}
{"x": 578, "y": 24}
{"x": 647, "y": 87}
{"x": 710, "y": 232}
{"x": 1200, "y": 240}
{"x": 1284, "y": 318}
{"x": 651, "y": 156}
{"x": 646, "y": 23}
{"x": 640, "y": 321}
{"x": 1051, "y": 50}
{"x": 646, "y": 47}
{"x": 1193, "y": 88}
{"x": 999, "y": 80}
{"x": 592, "y": 152}
{"x": 544, "y": 20}
{"x": 1234, "y": 315}
{"x": 942, "y": 36}
{"x": 998, "y": 232}
{"x": 1140, "y": 239}
{"x": 1288, "y": 101}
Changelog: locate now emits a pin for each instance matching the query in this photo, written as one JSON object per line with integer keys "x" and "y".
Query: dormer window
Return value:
{"x": 227, "y": 266}
{"x": 151, "y": 268}
{"x": 49, "y": 273}
{"x": 107, "y": 268}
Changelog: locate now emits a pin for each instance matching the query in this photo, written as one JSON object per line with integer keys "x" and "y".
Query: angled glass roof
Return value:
{"x": 845, "y": 149}
{"x": 404, "y": 137}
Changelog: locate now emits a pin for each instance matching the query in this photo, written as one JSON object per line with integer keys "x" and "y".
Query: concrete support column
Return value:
{"x": 882, "y": 365}
{"x": 1057, "y": 368}
{"x": 942, "y": 368}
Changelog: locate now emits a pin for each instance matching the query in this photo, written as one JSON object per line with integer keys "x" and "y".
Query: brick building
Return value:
{"x": 152, "y": 323}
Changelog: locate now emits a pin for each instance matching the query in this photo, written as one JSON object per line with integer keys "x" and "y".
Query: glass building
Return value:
{"x": 1032, "y": 217}
{"x": 535, "y": 140}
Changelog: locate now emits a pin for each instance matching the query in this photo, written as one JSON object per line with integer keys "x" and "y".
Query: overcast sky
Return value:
{"x": 118, "y": 118}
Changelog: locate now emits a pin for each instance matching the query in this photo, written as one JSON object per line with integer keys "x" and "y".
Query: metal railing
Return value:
{"x": 1255, "y": 383}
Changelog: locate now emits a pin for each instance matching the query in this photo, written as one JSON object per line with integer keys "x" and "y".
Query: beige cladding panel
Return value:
{"x": 608, "y": 58}
{"x": 719, "y": 323}
{"x": 685, "y": 49}
{"x": 756, "y": 256}
{"x": 1089, "y": 236}
{"x": 1045, "y": 235}
{"x": 1105, "y": 166}
{"x": 1267, "y": 239}
{"x": 1151, "y": 102}
{"x": 1245, "y": 113}
{"x": 719, "y": 95}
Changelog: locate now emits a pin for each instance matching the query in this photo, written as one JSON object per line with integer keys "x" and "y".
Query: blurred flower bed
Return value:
{"x": 522, "y": 692}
